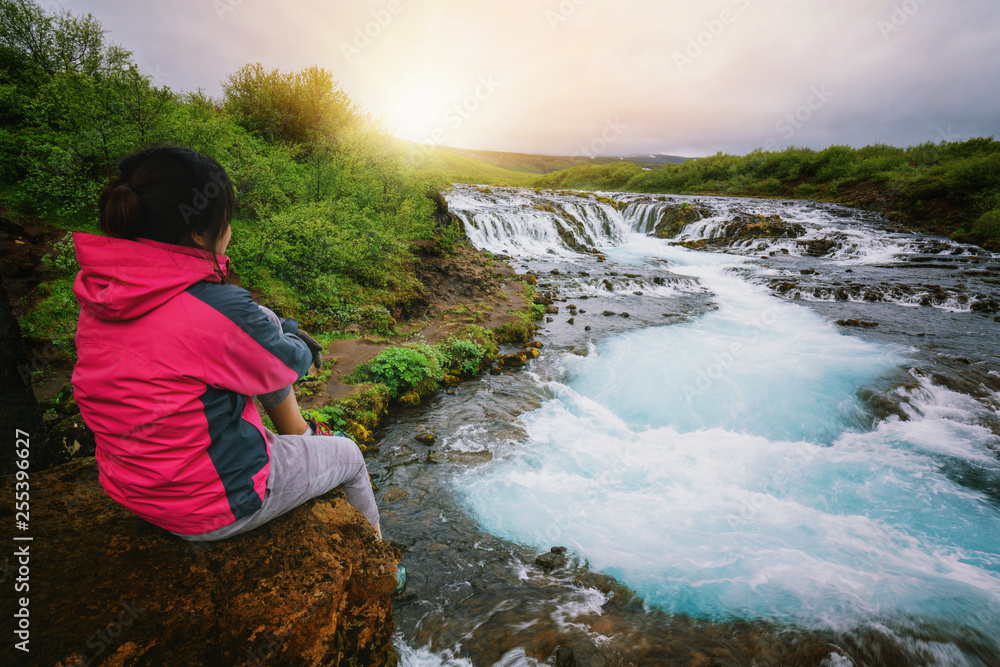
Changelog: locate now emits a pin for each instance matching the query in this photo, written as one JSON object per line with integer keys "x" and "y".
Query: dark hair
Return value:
{"x": 166, "y": 193}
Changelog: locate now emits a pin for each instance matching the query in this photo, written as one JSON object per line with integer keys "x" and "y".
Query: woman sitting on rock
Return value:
{"x": 170, "y": 358}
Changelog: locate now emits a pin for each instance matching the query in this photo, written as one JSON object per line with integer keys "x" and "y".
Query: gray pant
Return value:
{"x": 303, "y": 467}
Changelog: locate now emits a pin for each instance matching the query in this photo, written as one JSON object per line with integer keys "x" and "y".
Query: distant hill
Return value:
{"x": 543, "y": 164}
{"x": 475, "y": 166}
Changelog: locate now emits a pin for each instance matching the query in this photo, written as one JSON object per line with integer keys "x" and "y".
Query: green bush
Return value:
{"x": 412, "y": 367}
{"x": 55, "y": 316}
{"x": 464, "y": 355}
{"x": 987, "y": 226}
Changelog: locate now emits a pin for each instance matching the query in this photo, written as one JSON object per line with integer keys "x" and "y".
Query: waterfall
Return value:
{"x": 750, "y": 460}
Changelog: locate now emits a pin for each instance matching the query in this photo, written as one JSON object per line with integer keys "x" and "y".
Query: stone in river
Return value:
{"x": 553, "y": 560}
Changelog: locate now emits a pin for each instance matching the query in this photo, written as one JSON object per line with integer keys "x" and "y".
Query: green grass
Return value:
{"x": 939, "y": 188}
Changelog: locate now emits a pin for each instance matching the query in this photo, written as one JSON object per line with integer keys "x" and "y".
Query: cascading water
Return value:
{"x": 728, "y": 454}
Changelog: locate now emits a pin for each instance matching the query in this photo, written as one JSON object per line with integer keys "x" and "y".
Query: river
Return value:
{"x": 736, "y": 478}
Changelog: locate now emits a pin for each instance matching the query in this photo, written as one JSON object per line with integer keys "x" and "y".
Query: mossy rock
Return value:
{"x": 673, "y": 219}
{"x": 410, "y": 398}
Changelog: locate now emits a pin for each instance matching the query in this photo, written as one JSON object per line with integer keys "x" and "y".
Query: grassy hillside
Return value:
{"x": 543, "y": 164}
{"x": 461, "y": 165}
{"x": 443, "y": 165}
{"x": 950, "y": 188}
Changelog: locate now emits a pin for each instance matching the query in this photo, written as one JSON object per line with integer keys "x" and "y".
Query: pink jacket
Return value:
{"x": 168, "y": 360}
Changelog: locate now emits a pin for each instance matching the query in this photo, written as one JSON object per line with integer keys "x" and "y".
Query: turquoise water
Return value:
{"x": 726, "y": 468}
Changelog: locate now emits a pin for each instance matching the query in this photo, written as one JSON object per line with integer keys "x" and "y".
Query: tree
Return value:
{"x": 301, "y": 107}
{"x": 58, "y": 42}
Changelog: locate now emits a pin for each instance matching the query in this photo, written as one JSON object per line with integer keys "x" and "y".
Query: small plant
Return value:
{"x": 416, "y": 366}
{"x": 465, "y": 356}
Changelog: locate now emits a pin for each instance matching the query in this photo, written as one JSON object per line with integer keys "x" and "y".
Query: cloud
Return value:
{"x": 685, "y": 77}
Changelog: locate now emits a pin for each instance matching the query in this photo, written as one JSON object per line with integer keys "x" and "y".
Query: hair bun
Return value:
{"x": 119, "y": 206}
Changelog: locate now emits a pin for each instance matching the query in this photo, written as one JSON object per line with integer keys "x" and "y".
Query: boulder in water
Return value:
{"x": 556, "y": 558}
{"x": 673, "y": 219}
{"x": 752, "y": 225}
{"x": 861, "y": 324}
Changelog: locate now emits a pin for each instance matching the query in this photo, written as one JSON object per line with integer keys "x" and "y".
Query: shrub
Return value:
{"x": 55, "y": 316}
{"x": 464, "y": 355}
{"x": 987, "y": 226}
{"x": 416, "y": 366}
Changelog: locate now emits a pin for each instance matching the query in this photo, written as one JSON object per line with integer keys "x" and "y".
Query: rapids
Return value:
{"x": 736, "y": 476}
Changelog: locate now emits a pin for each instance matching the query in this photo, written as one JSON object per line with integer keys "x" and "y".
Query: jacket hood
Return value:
{"x": 122, "y": 280}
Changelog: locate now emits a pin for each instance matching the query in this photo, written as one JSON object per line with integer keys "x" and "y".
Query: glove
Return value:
{"x": 314, "y": 347}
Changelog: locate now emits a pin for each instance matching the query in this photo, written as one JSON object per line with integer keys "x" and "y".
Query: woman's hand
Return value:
{"x": 314, "y": 347}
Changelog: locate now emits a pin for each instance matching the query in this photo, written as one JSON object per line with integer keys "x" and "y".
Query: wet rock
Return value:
{"x": 549, "y": 319}
{"x": 427, "y": 438}
{"x": 312, "y": 587}
{"x": 554, "y": 272}
{"x": 818, "y": 247}
{"x": 991, "y": 305}
{"x": 571, "y": 320}
{"x": 807, "y": 272}
{"x": 556, "y": 558}
{"x": 552, "y": 310}
{"x": 409, "y": 398}
{"x": 857, "y": 323}
{"x": 535, "y": 344}
{"x": 623, "y": 315}
{"x": 752, "y": 225}
{"x": 516, "y": 360}
{"x": 673, "y": 219}
{"x": 607, "y": 285}
{"x": 394, "y": 495}
{"x": 564, "y": 657}
{"x": 637, "y": 293}
{"x": 582, "y": 311}
{"x": 609, "y": 313}
{"x": 784, "y": 286}
{"x": 587, "y": 328}
{"x": 874, "y": 295}
{"x": 70, "y": 437}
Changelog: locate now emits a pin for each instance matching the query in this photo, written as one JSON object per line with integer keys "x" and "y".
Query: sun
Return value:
{"x": 415, "y": 113}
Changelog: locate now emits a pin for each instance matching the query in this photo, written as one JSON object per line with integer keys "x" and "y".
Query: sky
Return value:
{"x": 603, "y": 77}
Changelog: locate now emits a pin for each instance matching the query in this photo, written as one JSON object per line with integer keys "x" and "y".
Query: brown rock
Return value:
{"x": 312, "y": 587}
{"x": 394, "y": 495}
